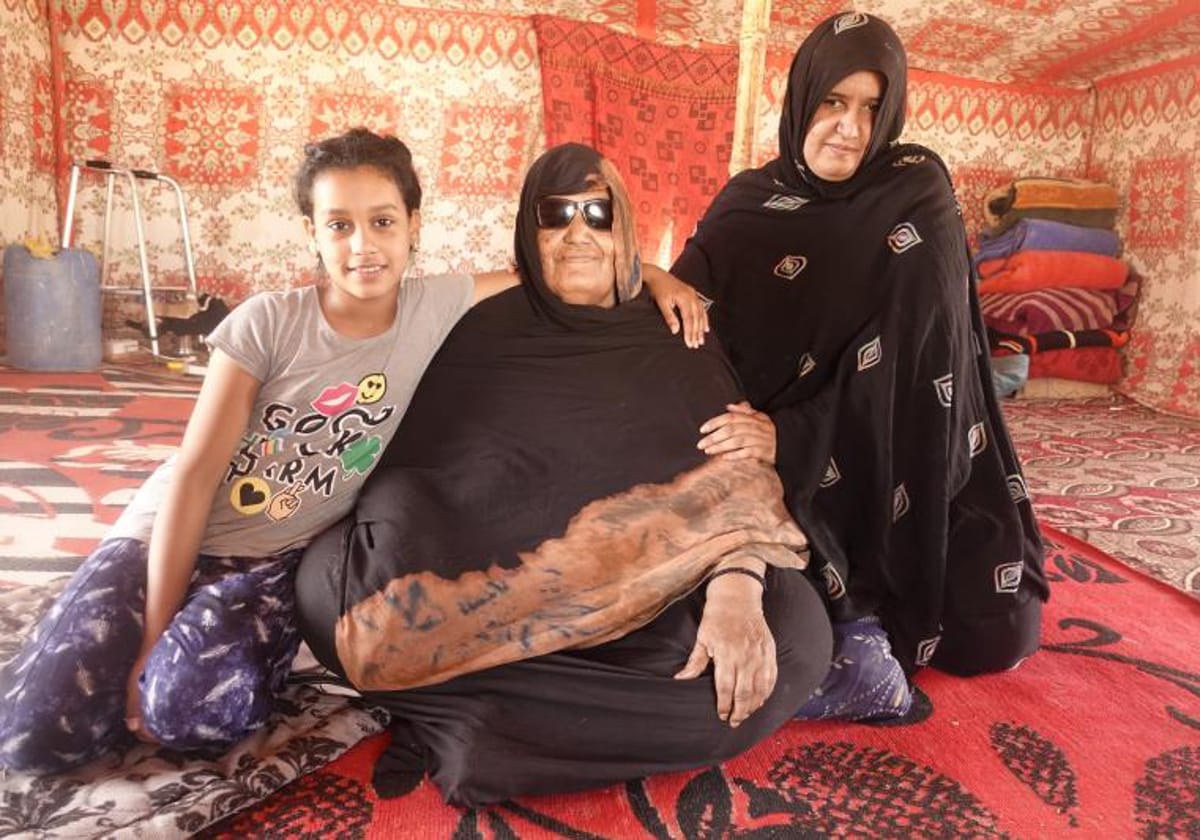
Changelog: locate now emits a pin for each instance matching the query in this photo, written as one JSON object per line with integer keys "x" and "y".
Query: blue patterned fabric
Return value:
{"x": 209, "y": 681}
{"x": 865, "y": 681}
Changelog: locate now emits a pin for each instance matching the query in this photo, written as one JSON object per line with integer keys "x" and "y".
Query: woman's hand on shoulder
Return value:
{"x": 734, "y": 635}
{"x": 673, "y": 296}
{"x": 741, "y": 432}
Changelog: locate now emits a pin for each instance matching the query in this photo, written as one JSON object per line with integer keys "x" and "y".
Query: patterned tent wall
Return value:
{"x": 229, "y": 93}
{"x": 1147, "y": 143}
{"x": 665, "y": 115}
{"x": 987, "y": 132}
{"x": 27, "y": 204}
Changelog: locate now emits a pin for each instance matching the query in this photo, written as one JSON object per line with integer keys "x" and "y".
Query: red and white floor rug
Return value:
{"x": 1098, "y": 735}
{"x": 1118, "y": 475}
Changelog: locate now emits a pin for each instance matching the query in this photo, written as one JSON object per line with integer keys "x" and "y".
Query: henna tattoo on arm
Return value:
{"x": 620, "y": 561}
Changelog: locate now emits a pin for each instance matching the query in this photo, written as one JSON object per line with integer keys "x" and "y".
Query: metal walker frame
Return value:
{"x": 112, "y": 174}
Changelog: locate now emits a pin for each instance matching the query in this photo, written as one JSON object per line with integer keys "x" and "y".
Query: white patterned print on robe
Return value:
{"x": 834, "y": 584}
{"x": 808, "y": 364}
{"x": 870, "y": 354}
{"x": 786, "y": 203}
{"x": 900, "y": 502}
{"x": 903, "y": 237}
{"x": 848, "y": 21}
{"x": 925, "y": 650}
{"x": 944, "y": 386}
{"x": 1017, "y": 489}
{"x": 1008, "y": 577}
{"x": 832, "y": 474}
{"x": 790, "y": 266}
{"x": 977, "y": 438}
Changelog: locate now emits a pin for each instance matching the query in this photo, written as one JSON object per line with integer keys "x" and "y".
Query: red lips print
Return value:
{"x": 335, "y": 399}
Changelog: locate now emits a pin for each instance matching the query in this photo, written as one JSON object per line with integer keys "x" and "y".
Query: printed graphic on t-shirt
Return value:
{"x": 295, "y": 452}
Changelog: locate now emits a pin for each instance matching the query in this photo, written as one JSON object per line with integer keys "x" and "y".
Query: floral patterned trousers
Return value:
{"x": 210, "y": 680}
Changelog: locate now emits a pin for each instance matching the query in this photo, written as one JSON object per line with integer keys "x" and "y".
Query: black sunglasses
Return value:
{"x": 554, "y": 212}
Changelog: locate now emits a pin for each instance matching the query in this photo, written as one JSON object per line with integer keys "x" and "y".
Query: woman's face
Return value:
{"x": 577, "y": 259}
{"x": 840, "y": 130}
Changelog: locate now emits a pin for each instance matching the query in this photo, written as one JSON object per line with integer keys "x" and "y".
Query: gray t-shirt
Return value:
{"x": 327, "y": 407}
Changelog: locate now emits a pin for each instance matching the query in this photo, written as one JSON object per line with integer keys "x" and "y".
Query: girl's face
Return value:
{"x": 362, "y": 231}
{"x": 841, "y": 128}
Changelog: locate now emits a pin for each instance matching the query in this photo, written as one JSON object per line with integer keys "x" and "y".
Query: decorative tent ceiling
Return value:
{"x": 1059, "y": 42}
{"x": 1071, "y": 43}
{"x": 222, "y": 93}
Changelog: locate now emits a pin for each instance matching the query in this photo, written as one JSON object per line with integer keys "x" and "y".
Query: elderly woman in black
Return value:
{"x": 843, "y": 295}
{"x": 540, "y": 572}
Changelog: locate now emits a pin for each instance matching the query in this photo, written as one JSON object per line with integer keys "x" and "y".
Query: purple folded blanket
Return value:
{"x": 1047, "y": 235}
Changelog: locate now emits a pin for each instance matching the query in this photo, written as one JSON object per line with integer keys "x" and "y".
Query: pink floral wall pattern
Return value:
{"x": 1148, "y": 144}
{"x": 223, "y": 95}
{"x": 211, "y": 133}
{"x": 1158, "y": 202}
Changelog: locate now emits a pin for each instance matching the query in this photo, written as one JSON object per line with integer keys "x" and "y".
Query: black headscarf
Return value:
{"x": 838, "y": 47}
{"x": 830, "y": 229}
{"x": 564, "y": 170}
{"x": 849, "y": 314}
{"x": 544, "y": 490}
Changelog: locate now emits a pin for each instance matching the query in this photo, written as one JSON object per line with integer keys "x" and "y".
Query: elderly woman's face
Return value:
{"x": 841, "y": 128}
{"x": 577, "y": 255}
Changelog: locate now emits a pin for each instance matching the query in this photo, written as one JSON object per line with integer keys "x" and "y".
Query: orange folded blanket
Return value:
{"x": 1027, "y": 271}
{"x": 1074, "y": 193}
{"x": 1064, "y": 192}
{"x": 1071, "y": 200}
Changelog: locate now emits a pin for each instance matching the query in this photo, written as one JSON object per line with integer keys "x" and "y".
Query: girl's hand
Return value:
{"x": 671, "y": 295}
{"x": 133, "y": 700}
{"x": 741, "y": 432}
{"x": 734, "y": 635}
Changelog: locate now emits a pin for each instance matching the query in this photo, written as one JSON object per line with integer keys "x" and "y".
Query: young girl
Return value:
{"x": 179, "y": 627}
{"x": 303, "y": 391}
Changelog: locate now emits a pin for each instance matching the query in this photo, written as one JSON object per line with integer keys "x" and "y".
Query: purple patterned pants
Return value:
{"x": 209, "y": 681}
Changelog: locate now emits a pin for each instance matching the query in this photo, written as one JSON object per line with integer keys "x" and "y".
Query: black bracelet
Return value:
{"x": 738, "y": 570}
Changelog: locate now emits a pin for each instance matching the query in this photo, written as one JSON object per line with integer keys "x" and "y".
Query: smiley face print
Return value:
{"x": 371, "y": 388}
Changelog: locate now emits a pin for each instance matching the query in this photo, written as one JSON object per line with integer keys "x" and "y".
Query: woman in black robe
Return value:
{"x": 538, "y": 574}
{"x": 844, "y": 297}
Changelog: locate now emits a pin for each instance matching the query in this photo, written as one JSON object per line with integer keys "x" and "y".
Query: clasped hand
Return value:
{"x": 741, "y": 432}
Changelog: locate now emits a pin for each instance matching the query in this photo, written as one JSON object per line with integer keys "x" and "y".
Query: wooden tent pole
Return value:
{"x": 752, "y": 62}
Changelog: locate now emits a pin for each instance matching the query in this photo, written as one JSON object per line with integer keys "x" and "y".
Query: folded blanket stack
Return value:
{"x": 1052, "y": 286}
